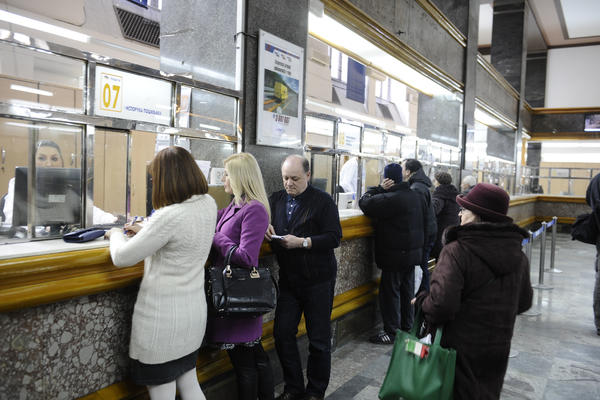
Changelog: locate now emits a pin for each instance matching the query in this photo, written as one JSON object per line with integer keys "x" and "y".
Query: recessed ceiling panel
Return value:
{"x": 581, "y": 17}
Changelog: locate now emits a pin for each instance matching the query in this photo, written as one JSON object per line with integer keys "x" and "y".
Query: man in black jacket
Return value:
{"x": 307, "y": 223}
{"x": 592, "y": 197}
{"x": 419, "y": 182}
{"x": 399, "y": 215}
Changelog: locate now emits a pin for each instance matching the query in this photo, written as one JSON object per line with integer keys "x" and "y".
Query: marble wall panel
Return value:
{"x": 521, "y": 212}
{"x": 197, "y": 40}
{"x": 72, "y": 348}
{"x": 550, "y": 209}
{"x": 419, "y": 31}
{"x": 457, "y": 11}
{"x": 68, "y": 349}
{"x": 535, "y": 83}
{"x": 558, "y": 123}
{"x": 493, "y": 93}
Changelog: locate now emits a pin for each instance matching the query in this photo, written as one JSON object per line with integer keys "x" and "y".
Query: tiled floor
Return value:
{"x": 556, "y": 354}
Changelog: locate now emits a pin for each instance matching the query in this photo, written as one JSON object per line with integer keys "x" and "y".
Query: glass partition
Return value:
{"x": 213, "y": 112}
{"x": 108, "y": 158}
{"x": 322, "y": 173}
{"x": 372, "y": 141}
{"x": 41, "y": 80}
{"x": 393, "y": 145}
{"x": 319, "y": 132}
{"x": 54, "y": 152}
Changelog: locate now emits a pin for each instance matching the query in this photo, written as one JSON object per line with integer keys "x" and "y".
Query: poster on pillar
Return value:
{"x": 280, "y": 85}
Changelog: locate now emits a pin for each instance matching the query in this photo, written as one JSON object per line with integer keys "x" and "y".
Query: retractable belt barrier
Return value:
{"x": 528, "y": 244}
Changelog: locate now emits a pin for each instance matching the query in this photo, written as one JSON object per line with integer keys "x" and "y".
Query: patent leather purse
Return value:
{"x": 240, "y": 290}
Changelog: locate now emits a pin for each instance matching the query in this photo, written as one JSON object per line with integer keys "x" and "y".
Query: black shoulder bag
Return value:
{"x": 233, "y": 290}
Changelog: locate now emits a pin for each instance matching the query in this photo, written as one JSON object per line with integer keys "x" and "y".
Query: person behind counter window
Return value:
{"x": 309, "y": 223}
{"x": 479, "y": 285}
{"x": 169, "y": 317}
{"x": 399, "y": 215}
{"x": 445, "y": 207}
{"x": 48, "y": 155}
{"x": 413, "y": 173}
{"x": 243, "y": 223}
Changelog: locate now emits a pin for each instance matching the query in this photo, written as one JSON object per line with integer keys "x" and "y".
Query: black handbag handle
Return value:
{"x": 227, "y": 270}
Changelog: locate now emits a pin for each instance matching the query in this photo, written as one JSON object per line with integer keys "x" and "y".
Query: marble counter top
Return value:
{"x": 41, "y": 247}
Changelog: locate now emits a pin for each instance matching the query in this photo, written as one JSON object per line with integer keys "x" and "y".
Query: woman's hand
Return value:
{"x": 132, "y": 229}
{"x": 110, "y": 232}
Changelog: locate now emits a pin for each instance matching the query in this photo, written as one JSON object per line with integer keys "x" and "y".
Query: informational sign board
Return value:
{"x": 121, "y": 94}
{"x": 280, "y": 92}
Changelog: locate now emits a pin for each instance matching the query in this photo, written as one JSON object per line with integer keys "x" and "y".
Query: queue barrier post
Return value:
{"x": 540, "y": 285}
{"x": 553, "y": 248}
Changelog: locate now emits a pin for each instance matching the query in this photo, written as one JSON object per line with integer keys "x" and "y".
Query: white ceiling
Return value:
{"x": 552, "y": 23}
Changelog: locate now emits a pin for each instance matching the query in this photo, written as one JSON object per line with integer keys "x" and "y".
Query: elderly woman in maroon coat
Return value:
{"x": 480, "y": 283}
{"x": 243, "y": 223}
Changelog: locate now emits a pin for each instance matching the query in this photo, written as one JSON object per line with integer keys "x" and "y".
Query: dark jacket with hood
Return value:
{"x": 398, "y": 215}
{"x": 592, "y": 197}
{"x": 316, "y": 217}
{"x": 446, "y": 212}
{"x": 421, "y": 183}
{"x": 480, "y": 283}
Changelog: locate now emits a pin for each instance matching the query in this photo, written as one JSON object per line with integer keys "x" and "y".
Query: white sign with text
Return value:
{"x": 121, "y": 94}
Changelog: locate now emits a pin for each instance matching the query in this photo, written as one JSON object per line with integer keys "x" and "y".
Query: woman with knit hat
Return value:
{"x": 480, "y": 283}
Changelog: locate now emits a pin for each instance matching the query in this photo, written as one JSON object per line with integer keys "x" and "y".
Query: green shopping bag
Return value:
{"x": 417, "y": 371}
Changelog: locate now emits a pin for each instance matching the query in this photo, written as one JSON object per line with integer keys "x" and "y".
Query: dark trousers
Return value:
{"x": 316, "y": 302}
{"x": 425, "y": 264}
{"x": 396, "y": 290}
{"x": 253, "y": 371}
{"x": 597, "y": 288}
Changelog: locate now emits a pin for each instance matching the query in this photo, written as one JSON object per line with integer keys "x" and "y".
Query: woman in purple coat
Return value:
{"x": 243, "y": 223}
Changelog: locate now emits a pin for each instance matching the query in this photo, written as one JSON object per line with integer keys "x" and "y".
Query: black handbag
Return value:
{"x": 234, "y": 290}
{"x": 584, "y": 229}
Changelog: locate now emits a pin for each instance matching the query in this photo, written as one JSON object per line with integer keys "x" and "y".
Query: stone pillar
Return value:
{"x": 509, "y": 57}
{"x": 468, "y": 122}
{"x": 535, "y": 82}
{"x": 197, "y": 40}
{"x": 507, "y": 40}
{"x": 287, "y": 19}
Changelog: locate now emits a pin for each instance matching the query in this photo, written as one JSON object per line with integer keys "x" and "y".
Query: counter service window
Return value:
{"x": 50, "y": 153}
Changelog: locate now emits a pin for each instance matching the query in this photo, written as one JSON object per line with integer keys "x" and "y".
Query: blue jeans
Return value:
{"x": 316, "y": 302}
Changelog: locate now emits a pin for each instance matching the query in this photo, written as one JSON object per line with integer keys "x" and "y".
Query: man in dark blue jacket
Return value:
{"x": 306, "y": 225}
{"x": 399, "y": 215}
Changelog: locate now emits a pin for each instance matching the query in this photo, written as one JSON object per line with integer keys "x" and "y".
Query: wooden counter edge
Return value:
{"x": 35, "y": 280}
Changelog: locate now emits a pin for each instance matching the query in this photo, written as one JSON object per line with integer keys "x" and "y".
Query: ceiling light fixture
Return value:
{"x": 28, "y": 89}
{"x": 42, "y": 26}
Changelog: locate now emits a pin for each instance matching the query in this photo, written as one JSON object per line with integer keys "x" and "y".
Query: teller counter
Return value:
{"x": 65, "y": 312}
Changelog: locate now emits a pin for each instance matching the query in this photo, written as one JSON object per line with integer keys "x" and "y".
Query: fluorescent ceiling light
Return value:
{"x": 214, "y": 128}
{"x": 337, "y": 34}
{"x": 21, "y": 125}
{"x": 42, "y": 26}
{"x": 31, "y": 90}
{"x": 64, "y": 129}
{"x": 562, "y": 145}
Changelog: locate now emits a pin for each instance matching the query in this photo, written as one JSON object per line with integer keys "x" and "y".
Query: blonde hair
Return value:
{"x": 246, "y": 180}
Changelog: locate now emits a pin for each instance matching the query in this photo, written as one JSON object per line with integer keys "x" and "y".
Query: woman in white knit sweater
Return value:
{"x": 169, "y": 318}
